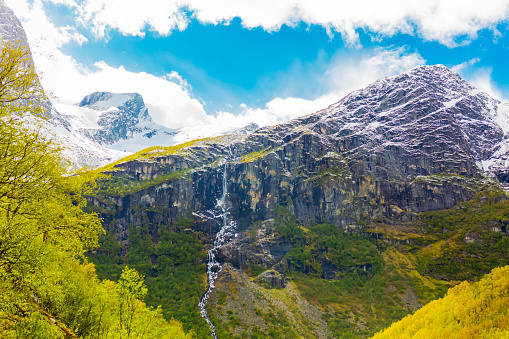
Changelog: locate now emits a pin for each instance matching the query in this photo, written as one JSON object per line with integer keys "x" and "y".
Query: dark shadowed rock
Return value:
{"x": 273, "y": 278}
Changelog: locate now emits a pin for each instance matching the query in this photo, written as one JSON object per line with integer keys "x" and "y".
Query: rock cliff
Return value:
{"x": 395, "y": 165}
{"x": 406, "y": 144}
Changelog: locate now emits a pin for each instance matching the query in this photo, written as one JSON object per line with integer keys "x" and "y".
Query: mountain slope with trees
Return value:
{"x": 48, "y": 289}
{"x": 469, "y": 310}
{"x": 359, "y": 213}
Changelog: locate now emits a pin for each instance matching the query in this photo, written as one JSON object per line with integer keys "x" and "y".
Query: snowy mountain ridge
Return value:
{"x": 428, "y": 113}
{"x": 104, "y": 126}
{"x": 122, "y": 122}
{"x": 119, "y": 121}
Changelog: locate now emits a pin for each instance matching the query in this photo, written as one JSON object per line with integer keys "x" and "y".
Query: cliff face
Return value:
{"x": 383, "y": 163}
{"x": 121, "y": 121}
{"x": 403, "y": 145}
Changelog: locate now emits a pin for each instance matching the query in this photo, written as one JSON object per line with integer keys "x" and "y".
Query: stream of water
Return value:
{"x": 226, "y": 232}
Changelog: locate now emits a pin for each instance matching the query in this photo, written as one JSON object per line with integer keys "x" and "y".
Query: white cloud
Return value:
{"x": 168, "y": 103}
{"x": 131, "y": 17}
{"x": 465, "y": 65}
{"x": 355, "y": 72}
{"x": 348, "y": 74}
{"x": 276, "y": 111}
{"x": 480, "y": 78}
{"x": 34, "y": 20}
{"x": 444, "y": 21}
{"x": 167, "y": 98}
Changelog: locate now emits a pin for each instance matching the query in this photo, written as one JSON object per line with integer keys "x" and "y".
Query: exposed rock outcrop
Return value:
{"x": 403, "y": 145}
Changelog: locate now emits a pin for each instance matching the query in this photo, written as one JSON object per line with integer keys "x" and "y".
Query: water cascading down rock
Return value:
{"x": 226, "y": 232}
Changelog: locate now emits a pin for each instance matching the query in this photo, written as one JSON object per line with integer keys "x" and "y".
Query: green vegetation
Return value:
{"x": 116, "y": 185}
{"x": 48, "y": 290}
{"x": 469, "y": 310}
{"x": 325, "y": 244}
{"x": 258, "y": 154}
{"x": 287, "y": 226}
{"x": 172, "y": 258}
{"x": 278, "y": 325}
{"x": 467, "y": 241}
{"x": 324, "y": 174}
{"x": 152, "y": 153}
{"x": 358, "y": 287}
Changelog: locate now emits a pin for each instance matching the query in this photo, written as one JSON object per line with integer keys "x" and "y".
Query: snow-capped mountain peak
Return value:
{"x": 81, "y": 151}
{"x": 118, "y": 121}
{"x": 131, "y": 104}
{"x": 429, "y": 114}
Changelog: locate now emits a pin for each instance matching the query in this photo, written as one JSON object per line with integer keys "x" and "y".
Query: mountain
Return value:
{"x": 104, "y": 126}
{"x": 10, "y": 26}
{"x": 117, "y": 121}
{"x": 382, "y": 143}
{"x": 79, "y": 150}
{"x": 359, "y": 213}
{"x": 121, "y": 121}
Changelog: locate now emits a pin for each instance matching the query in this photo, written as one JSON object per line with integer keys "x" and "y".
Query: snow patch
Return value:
{"x": 80, "y": 117}
{"x": 451, "y": 103}
{"x": 112, "y": 101}
{"x": 502, "y": 116}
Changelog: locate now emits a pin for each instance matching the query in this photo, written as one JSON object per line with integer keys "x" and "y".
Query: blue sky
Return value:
{"x": 231, "y": 64}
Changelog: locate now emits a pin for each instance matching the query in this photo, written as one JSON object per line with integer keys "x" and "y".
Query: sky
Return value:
{"x": 228, "y": 63}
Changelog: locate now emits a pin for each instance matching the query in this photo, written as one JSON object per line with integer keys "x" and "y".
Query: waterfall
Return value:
{"x": 225, "y": 234}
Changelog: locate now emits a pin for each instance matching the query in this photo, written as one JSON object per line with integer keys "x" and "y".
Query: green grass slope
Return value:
{"x": 469, "y": 310}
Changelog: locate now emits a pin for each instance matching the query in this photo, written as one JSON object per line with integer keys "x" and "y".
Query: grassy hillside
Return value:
{"x": 469, "y": 310}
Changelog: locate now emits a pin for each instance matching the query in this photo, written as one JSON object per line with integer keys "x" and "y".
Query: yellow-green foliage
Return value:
{"x": 72, "y": 303}
{"x": 154, "y": 152}
{"x": 45, "y": 289}
{"x": 19, "y": 84}
{"x": 115, "y": 186}
{"x": 469, "y": 310}
{"x": 255, "y": 155}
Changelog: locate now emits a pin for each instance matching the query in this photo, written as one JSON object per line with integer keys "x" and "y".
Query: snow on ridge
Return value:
{"x": 79, "y": 117}
{"x": 110, "y": 101}
{"x": 502, "y": 116}
{"x": 411, "y": 109}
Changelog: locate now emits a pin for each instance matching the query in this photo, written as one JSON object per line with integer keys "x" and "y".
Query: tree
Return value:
{"x": 131, "y": 291}
{"x": 20, "y": 90}
{"x": 40, "y": 200}
{"x": 47, "y": 288}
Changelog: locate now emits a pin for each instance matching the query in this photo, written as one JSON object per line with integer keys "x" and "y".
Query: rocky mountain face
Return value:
{"x": 412, "y": 143}
{"x": 122, "y": 115}
{"x": 119, "y": 121}
{"x": 10, "y": 26}
{"x": 383, "y": 162}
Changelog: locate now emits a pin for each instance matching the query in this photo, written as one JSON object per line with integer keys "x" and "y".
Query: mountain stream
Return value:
{"x": 226, "y": 232}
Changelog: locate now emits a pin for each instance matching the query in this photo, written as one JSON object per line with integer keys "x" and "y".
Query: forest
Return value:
{"x": 469, "y": 310}
{"x": 48, "y": 287}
